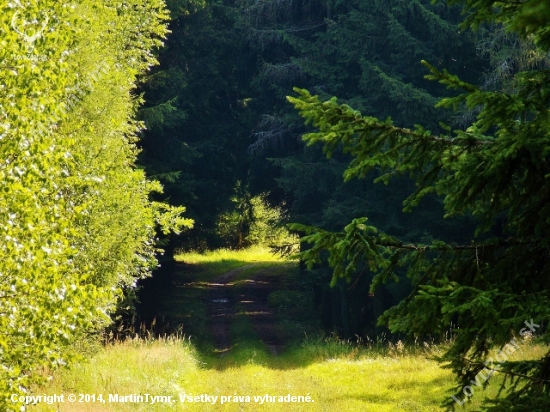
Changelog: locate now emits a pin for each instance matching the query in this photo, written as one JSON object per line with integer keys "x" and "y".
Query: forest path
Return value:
{"x": 243, "y": 293}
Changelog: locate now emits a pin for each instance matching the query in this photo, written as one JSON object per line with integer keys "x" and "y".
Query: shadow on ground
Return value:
{"x": 229, "y": 316}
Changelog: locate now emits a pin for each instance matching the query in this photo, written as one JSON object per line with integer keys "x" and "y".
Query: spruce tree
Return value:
{"x": 496, "y": 287}
{"x": 359, "y": 51}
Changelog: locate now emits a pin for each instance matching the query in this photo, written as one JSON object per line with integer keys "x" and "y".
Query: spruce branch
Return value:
{"x": 507, "y": 372}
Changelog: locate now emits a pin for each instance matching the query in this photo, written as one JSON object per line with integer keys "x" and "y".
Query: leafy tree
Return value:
{"x": 495, "y": 170}
{"x": 78, "y": 225}
{"x": 253, "y": 221}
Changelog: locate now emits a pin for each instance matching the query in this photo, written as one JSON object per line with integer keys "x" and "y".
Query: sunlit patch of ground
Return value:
{"x": 390, "y": 382}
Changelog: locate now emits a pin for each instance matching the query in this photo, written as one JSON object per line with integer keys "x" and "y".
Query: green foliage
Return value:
{"x": 218, "y": 97}
{"x": 234, "y": 226}
{"x": 251, "y": 221}
{"x": 362, "y": 52}
{"x": 266, "y": 228}
{"x": 495, "y": 170}
{"x": 527, "y": 18}
{"x": 78, "y": 225}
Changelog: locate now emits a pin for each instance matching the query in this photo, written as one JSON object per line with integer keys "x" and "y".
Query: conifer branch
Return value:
{"x": 411, "y": 246}
{"x": 507, "y": 372}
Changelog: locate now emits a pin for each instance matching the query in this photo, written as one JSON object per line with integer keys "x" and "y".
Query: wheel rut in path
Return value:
{"x": 226, "y": 300}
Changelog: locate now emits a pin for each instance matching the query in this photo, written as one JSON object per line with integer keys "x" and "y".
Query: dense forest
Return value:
{"x": 221, "y": 135}
{"x": 417, "y": 199}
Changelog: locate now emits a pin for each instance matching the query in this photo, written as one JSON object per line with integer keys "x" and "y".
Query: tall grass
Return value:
{"x": 338, "y": 375}
{"x": 170, "y": 367}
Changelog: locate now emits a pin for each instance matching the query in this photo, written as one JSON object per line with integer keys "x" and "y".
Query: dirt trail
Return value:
{"x": 225, "y": 300}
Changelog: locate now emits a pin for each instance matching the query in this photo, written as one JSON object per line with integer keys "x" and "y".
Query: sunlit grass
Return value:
{"x": 249, "y": 255}
{"x": 214, "y": 263}
{"x": 339, "y": 376}
{"x": 170, "y": 367}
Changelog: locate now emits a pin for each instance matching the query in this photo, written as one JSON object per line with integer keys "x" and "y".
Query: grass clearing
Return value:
{"x": 169, "y": 367}
{"x": 251, "y": 254}
{"x": 343, "y": 377}
{"x": 338, "y": 375}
